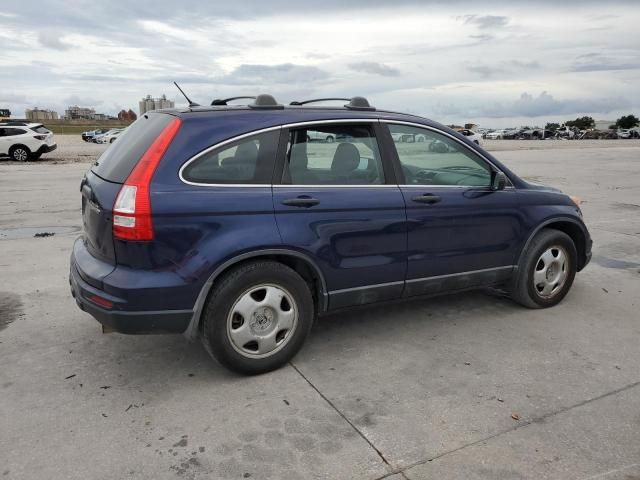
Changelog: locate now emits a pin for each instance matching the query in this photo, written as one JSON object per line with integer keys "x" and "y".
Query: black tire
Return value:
{"x": 19, "y": 153}
{"x": 112, "y": 140}
{"x": 330, "y": 139}
{"x": 524, "y": 289}
{"x": 234, "y": 285}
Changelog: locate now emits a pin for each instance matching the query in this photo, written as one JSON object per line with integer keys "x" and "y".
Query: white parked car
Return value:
{"x": 624, "y": 133}
{"x": 496, "y": 134}
{"x": 25, "y": 141}
{"x": 314, "y": 135}
{"x": 110, "y": 136}
{"x": 475, "y": 137}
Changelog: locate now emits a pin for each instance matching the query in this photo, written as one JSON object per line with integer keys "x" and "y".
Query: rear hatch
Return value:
{"x": 101, "y": 184}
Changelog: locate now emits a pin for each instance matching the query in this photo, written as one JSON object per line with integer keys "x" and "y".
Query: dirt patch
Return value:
{"x": 10, "y": 308}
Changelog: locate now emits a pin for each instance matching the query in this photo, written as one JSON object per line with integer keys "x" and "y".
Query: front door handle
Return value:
{"x": 304, "y": 202}
{"x": 427, "y": 198}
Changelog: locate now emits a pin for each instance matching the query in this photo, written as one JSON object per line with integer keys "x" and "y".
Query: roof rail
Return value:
{"x": 265, "y": 102}
{"x": 223, "y": 101}
{"x": 13, "y": 123}
{"x": 304, "y": 102}
{"x": 355, "y": 103}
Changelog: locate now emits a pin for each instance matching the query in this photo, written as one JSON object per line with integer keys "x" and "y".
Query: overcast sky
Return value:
{"x": 497, "y": 63}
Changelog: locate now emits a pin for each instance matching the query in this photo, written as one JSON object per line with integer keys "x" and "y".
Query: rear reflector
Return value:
{"x": 132, "y": 208}
{"x": 103, "y": 302}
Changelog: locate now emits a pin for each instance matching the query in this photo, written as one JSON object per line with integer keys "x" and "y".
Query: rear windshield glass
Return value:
{"x": 40, "y": 129}
{"x": 117, "y": 161}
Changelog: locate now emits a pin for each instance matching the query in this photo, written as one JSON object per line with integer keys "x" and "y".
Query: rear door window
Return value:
{"x": 248, "y": 161}
{"x": 117, "y": 161}
{"x": 333, "y": 155}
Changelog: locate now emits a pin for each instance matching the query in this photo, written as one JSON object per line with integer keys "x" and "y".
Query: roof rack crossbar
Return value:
{"x": 223, "y": 101}
{"x": 304, "y": 102}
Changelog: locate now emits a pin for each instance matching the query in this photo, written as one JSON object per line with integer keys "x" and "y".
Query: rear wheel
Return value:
{"x": 546, "y": 271}
{"x": 20, "y": 153}
{"x": 257, "y": 317}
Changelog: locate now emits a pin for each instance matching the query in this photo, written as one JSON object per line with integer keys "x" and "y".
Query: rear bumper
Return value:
{"x": 119, "y": 318}
{"x": 46, "y": 149}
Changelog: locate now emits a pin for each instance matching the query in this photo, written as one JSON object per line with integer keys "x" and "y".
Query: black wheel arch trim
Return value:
{"x": 560, "y": 219}
{"x": 192, "y": 330}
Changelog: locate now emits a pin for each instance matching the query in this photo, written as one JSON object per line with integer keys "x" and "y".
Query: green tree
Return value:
{"x": 552, "y": 126}
{"x": 627, "y": 121}
{"x": 581, "y": 123}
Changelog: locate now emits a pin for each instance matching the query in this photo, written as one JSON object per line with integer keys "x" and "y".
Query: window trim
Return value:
{"x": 398, "y": 163}
{"x": 389, "y": 158}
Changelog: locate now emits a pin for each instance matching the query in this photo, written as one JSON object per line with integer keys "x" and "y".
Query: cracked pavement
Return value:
{"x": 468, "y": 387}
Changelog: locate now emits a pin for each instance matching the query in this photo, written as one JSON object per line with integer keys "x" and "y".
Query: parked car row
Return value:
{"x": 565, "y": 133}
{"x": 102, "y": 135}
{"x": 475, "y": 137}
{"x": 23, "y": 141}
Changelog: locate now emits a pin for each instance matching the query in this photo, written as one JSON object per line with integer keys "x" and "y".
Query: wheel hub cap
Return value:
{"x": 551, "y": 271}
{"x": 262, "y": 321}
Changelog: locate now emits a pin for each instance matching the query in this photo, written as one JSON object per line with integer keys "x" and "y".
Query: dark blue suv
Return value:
{"x": 241, "y": 224}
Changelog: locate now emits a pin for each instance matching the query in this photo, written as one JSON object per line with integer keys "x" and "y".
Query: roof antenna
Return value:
{"x": 191, "y": 104}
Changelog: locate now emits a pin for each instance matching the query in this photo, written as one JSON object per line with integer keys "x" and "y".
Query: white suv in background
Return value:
{"x": 25, "y": 141}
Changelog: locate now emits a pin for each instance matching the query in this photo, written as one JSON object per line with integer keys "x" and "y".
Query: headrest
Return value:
{"x": 346, "y": 159}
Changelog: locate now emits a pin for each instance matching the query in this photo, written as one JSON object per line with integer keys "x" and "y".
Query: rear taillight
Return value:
{"x": 132, "y": 209}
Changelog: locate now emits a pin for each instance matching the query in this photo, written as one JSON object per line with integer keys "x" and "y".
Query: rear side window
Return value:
{"x": 333, "y": 155}
{"x": 10, "y": 132}
{"x": 246, "y": 161}
{"x": 117, "y": 161}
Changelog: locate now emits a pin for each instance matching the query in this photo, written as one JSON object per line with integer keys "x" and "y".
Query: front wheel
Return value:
{"x": 546, "y": 271}
{"x": 330, "y": 139}
{"x": 257, "y": 317}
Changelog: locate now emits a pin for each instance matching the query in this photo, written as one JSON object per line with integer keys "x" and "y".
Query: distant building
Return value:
{"x": 147, "y": 104}
{"x": 127, "y": 116}
{"x": 79, "y": 113}
{"x": 4, "y": 113}
{"x": 37, "y": 114}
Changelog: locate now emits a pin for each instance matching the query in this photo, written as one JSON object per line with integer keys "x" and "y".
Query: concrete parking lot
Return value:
{"x": 469, "y": 386}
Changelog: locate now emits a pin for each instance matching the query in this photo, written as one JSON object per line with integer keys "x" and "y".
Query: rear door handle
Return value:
{"x": 427, "y": 198}
{"x": 304, "y": 202}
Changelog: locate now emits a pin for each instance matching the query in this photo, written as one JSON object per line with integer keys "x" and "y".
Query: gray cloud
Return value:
{"x": 545, "y": 104}
{"x": 596, "y": 62}
{"x": 83, "y": 101}
{"x": 375, "y": 68}
{"x": 285, "y": 73}
{"x": 486, "y": 71}
{"x": 486, "y": 21}
{"x": 50, "y": 39}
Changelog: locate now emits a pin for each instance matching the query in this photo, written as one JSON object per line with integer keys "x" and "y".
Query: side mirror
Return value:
{"x": 498, "y": 181}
